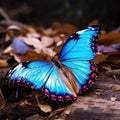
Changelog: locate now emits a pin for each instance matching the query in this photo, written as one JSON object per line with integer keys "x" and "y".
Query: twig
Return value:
{"x": 11, "y": 22}
{"x": 113, "y": 72}
{"x": 4, "y": 15}
{"x": 7, "y": 21}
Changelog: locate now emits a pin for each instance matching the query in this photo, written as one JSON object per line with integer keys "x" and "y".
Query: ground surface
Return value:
{"x": 101, "y": 102}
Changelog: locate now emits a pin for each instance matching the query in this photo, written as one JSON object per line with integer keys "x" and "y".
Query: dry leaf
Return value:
{"x": 3, "y": 63}
{"x": 114, "y": 58}
{"x": 45, "y": 108}
{"x": 67, "y": 111}
{"x": 35, "y": 42}
{"x": 49, "y": 52}
{"x": 16, "y": 57}
{"x": 8, "y": 49}
{"x": 109, "y": 38}
{"x": 13, "y": 31}
{"x": 46, "y": 41}
{"x": 117, "y": 87}
{"x": 24, "y": 103}
{"x": 14, "y": 27}
{"x": 31, "y": 55}
{"x": 33, "y": 34}
{"x": 100, "y": 58}
{"x": 55, "y": 112}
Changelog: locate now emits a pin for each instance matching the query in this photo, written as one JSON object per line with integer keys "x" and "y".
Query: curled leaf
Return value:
{"x": 45, "y": 108}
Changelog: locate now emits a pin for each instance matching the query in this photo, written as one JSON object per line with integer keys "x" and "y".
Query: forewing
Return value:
{"x": 77, "y": 54}
{"x": 81, "y": 46}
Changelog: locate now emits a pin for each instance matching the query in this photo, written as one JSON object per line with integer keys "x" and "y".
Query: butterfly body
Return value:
{"x": 62, "y": 79}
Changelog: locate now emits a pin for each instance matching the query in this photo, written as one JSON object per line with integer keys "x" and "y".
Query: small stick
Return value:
{"x": 4, "y": 15}
{"x": 7, "y": 21}
{"x": 113, "y": 72}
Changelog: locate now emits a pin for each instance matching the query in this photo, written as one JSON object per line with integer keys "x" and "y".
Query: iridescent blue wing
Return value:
{"x": 77, "y": 54}
{"x": 81, "y": 46}
{"x": 30, "y": 73}
{"x": 84, "y": 72}
{"x": 45, "y": 75}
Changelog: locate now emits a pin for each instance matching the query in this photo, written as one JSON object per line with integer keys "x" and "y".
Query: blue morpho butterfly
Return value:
{"x": 66, "y": 77}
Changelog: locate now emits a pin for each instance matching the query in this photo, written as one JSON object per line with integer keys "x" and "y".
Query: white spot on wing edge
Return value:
{"x": 80, "y": 32}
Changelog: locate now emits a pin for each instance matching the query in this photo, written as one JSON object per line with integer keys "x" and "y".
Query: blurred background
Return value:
{"x": 77, "y": 12}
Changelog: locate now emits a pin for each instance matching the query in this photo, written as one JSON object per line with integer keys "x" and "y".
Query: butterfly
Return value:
{"x": 64, "y": 78}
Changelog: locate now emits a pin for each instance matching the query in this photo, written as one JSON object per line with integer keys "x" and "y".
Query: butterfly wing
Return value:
{"x": 84, "y": 72}
{"x": 40, "y": 74}
{"x": 30, "y": 73}
{"x": 81, "y": 46}
{"x": 77, "y": 54}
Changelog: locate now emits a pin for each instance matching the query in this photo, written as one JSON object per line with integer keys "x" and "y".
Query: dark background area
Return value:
{"x": 77, "y": 12}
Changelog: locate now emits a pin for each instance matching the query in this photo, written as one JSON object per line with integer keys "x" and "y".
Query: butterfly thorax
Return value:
{"x": 67, "y": 75}
{"x": 56, "y": 62}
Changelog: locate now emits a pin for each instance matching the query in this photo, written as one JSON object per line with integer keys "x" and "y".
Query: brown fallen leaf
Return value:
{"x": 100, "y": 58}
{"x": 3, "y": 63}
{"x": 43, "y": 107}
{"x": 16, "y": 57}
{"x": 24, "y": 103}
{"x": 30, "y": 55}
{"x": 109, "y": 38}
{"x": 54, "y": 113}
{"x": 13, "y": 31}
{"x": 114, "y": 59}
{"x": 14, "y": 27}
{"x": 67, "y": 29}
{"x": 67, "y": 111}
